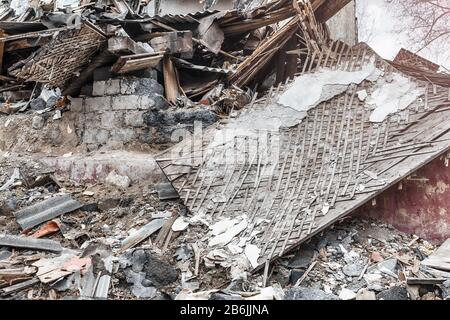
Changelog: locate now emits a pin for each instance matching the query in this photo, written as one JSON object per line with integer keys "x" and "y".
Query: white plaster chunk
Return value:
{"x": 309, "y": 90}
{"x": 252, "y": 253}
{"x": 180, "y": 224}
{"x": 225, "y": 237}
{"x": 362, "y": 95}
{"x": 347, "y": 294}
{"x": 222, "y": 226}
{"x": 391, "y": 97}
{"x": 122, "y": 182}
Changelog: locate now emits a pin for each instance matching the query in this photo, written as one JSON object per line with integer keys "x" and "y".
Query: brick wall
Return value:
{"x": 115, "y": 112}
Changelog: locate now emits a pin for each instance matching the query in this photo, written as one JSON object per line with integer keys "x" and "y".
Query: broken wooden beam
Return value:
{"x": 2, "y": 49}
{"x": 27, "y": 43}
{"x": 142, "y": 234}
{"x": 187, "y": 65}
{"x": 171, "y": 84}
{"x": 425, "y": 281}
{"x": 19, "y": 286}
{"x": 137, "y": 62}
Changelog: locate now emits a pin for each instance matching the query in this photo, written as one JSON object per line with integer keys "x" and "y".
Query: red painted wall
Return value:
{"x": 419, "y": 204}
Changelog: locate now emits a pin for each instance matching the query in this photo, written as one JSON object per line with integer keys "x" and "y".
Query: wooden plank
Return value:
{"x": 127, "y": 64}
{"x": 414, "y": 281}
{"x": 27, "y": 43}
{"x": 171, "y": 86}
{"x": 2, "y": 48}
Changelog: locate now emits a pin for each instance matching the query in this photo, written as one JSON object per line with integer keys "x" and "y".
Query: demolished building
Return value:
{"x": 287, "y": 127}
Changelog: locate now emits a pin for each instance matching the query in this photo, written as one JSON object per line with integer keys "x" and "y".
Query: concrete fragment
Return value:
{"x": 347, "y": 294}
{"x": 147, "y": 272}
{"x": 388, "y": 267}
{"x": 353, "y": 269}
{"x": 180, "y": 224}
{"x": 303, "y": 293}
{"x": 38, "y": 104}
{"x": 252, "y": 253}
{"x": 446, "y": 290}
{"x": 122, "y": 182}
{"x": 365, "y": 294}
{"x": 57, "y": 115}
{"x": 398, "y": 292}
{"x": 37, "y": 122}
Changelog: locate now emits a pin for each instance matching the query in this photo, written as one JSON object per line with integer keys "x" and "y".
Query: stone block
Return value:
{"x": 134, "y": 119}
{"x": 123, "y": 135}
{"x": 98, "y": 136}
{"x": 111, "y": 119}
{"x": 92, "y": 120}
{"x": 125, "y": 102}
{"x": 99, "y": 88}
{"x": 97, "y": 104}
{"x": 77, "y": 104}
{"x": 112, "y": 87}
{"x": 127, "y": 87}
{"x": 146, "y": 102}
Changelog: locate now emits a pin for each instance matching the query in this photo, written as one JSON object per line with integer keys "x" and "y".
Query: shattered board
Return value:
{"x": 276, "y": 180}
{"x": 60, "y": 60}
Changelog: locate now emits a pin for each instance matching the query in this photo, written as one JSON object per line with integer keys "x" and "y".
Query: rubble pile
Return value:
{"x": 112, "y": 243}
{"x": 82, "y": 217}
{"x": 363, "y": 260}
{"x": 54, "y": 50}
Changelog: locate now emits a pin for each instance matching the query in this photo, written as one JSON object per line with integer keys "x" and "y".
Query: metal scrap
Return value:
{"x": 46, "y": 210}
{"x": 30, "y": 243}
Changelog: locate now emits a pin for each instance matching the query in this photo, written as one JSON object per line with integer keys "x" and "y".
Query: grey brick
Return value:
{"x": 134, "y": 119}
{"x": 77, "y": 104}
{"x": 125, "y": 102}
{"x": 98, "y": 136}
{"x": 99, "y": 88}
{"x": 112, "y": 87}
{"x": 123, "y": 135}
{"x": 92, "y": 120}
{"x": 97, "y": 104}
{"x": 111, "y": 119}
{"x": 127, "y": 87}
{"x": 146, "y": 102}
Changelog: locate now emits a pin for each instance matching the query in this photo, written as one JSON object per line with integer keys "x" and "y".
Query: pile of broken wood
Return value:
{"x": 213, "y": 57}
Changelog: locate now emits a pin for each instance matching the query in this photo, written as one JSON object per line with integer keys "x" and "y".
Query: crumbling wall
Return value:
{"x": 122, "y": 111}
{"x": 114, "y": 114}
{"x": 419, "y": 204}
